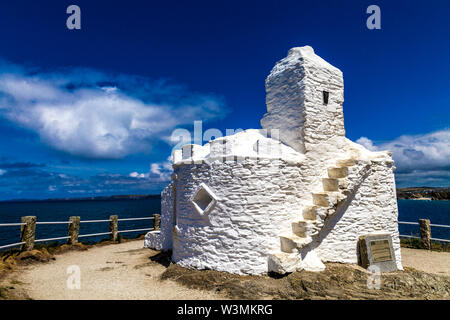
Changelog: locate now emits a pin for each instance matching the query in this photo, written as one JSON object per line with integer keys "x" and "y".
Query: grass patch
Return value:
{"x": 51, "y": 247}
{"x": 417, "y": 244}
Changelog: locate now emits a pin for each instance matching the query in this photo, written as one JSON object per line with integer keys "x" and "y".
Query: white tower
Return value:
{"x": 304, "y": 97}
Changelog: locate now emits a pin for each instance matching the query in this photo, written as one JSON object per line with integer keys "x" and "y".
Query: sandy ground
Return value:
{"x": 428, "y": 261}
{"x": 121, "y": 271}
{"x": 125, "y": 271}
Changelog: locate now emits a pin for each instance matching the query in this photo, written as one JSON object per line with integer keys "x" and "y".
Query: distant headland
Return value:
{"x": 98, "y": 198}
{"x": 424, "y": 193}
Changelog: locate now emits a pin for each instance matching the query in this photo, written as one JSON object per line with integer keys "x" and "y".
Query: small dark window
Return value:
{"x": 202, "y": 199}
{"x": 325, "y": 97}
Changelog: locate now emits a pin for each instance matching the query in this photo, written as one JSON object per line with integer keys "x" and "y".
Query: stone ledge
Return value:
{"x": 153, "y": 240}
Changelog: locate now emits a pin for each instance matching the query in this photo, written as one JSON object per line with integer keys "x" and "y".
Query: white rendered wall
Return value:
{"x": 257, "y": 201}
{"x": 167, "y": 215}
{"x": 162, "y": 239}
{"x": 373, "y": 209}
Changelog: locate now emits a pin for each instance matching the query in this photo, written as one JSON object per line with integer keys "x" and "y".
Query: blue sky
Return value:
{"x": 90, "y": 112}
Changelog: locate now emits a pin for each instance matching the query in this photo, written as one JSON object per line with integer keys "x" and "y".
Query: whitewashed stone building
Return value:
{"x": 287, "y": 197}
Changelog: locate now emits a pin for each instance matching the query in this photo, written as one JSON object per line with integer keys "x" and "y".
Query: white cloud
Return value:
{"x": 419, "y": 158}
{"x": 90, "y": 114}
{"x": 367, "y": 143}
{"x": 160, "y": 171}
{"x": 2, "y": 172}
{"x": 155, "y": 168}
{"x": 54, "y": 184}
{"x": 138, "y": 175}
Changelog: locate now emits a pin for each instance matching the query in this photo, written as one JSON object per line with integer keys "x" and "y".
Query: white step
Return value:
{"x": 330, "y": 184}
{"x": 290, "y": 242}
{"x": 282, "y": 262}
{"x": 315, "y": 213}
{"x": 302, "y": 228}
{"x": 309, "y": 213}
{"x": 337, "y": 172}
{"x": 327, "y": 198}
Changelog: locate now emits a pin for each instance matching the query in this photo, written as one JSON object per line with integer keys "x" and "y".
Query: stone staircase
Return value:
{"x": 340, "y": 183}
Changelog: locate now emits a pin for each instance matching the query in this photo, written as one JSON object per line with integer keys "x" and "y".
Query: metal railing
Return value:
{"x": 11, "y": 224}
{"x": 94, "y": 221}
{"x": 425, "y": 231}
{"x": 29, "y": 223}
{"x": 12, "y": 245}
{"x": 54, "y": 222}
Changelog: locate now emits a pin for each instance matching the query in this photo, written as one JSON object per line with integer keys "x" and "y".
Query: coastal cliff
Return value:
{"x": 430, "y": 193}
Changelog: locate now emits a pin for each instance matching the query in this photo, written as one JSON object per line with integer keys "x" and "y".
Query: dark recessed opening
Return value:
{"x": 202, "y": 199}
{"x": 325, "y": 97}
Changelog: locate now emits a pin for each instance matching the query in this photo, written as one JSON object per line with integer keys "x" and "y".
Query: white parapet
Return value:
{"x": 153, "y": 240}
{"x": 177, "y": 155}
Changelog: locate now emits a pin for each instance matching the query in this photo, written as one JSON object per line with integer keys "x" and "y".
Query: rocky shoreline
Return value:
{"x": 423, "y": 193}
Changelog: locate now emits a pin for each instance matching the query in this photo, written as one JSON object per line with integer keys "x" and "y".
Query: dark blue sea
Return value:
{"x": 409, "y": 210}
{"x": 11, "y": 212}
{"x": 437, "y": 211}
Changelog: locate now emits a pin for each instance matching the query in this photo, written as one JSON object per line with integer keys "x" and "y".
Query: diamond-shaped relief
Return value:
{"x": 203, "y": 199}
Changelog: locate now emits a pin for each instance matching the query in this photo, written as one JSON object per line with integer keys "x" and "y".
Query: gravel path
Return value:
{"x": 121, "y": 271}
{"x": 428, "y": 261}
{"x": 125, "y": 271}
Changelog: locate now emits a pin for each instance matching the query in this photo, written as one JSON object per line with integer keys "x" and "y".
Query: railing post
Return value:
{"x": 156, "y": 221}
{"x": 113, "y": 228}
{"x": 425, "y": 233}
{"x": 74, "y": 230}
{"x": 28, "y": 233}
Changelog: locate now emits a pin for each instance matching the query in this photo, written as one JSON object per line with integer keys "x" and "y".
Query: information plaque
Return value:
{"x": 377, "y": 250}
